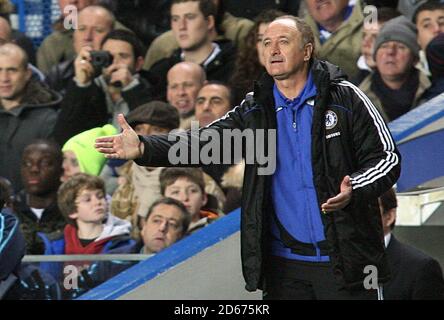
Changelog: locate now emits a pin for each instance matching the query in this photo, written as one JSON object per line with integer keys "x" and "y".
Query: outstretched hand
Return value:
{"x": 342, "y": 199}
{"x": 125, "y": 145}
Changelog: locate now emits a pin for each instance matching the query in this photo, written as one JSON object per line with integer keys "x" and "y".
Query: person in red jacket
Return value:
{"x": 90, "y": 229}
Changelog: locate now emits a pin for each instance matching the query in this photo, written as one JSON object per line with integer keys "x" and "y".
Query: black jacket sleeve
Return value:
{"x": 183, "y": 148}
{"x": 375, "y": 150}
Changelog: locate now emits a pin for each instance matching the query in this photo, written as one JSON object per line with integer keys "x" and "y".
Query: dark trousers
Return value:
{"x": 298, "y": 280}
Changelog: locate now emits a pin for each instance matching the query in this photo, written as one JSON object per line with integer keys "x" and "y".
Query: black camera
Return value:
{"x": 100, "y": 60}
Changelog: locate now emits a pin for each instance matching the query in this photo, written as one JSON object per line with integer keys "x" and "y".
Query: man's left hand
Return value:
{"x": 342, "y": 199}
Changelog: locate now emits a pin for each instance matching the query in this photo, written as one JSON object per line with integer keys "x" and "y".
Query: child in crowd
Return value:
{"x": 187, "y": 185}
{"x": 90, "y": 229}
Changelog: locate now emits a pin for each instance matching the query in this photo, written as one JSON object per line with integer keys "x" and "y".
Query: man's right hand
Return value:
{"x": 125, "y": 145}
{"x": 84, "y": 71}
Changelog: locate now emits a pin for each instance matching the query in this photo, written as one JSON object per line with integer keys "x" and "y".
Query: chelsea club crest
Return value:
{"x": 331, "y": 119}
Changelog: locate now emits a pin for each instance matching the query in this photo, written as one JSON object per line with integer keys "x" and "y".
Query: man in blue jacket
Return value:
{"x": 310, "y": 229}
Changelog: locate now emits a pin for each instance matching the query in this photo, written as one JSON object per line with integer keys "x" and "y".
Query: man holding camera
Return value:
{"x": 105, "y": 84}
{"x": 93, "y": 24}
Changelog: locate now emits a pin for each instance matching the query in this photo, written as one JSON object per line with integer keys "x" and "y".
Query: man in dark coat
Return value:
{"x": 27, "y": 110}
{"x": 415, "y": 275}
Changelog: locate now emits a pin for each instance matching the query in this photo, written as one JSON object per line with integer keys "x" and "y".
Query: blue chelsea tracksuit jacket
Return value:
{"x": 293, "y": 191}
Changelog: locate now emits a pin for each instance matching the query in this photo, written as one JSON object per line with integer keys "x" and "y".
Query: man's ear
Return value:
{"x": 28, "y": 73}
{"x": 211, "y": 23}
{"x": 308, "y": 51}
{"x": 139, "y": 63}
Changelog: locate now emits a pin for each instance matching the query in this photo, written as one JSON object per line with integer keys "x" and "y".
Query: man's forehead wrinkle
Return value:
{"x": 289, "y": 31}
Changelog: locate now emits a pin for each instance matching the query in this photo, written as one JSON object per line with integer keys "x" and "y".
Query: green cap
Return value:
{"x": 90, "y": 160}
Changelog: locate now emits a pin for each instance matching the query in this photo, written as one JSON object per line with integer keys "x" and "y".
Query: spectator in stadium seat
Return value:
{"x": 95, "y": 97}
{"x": 166, "y": 222}
{"x": 337, "y": 26}
{"x": 27, "y": 110}
{"x": 193, "y": 23}
{"x": 213, "y": 101}
{"x": 366, "y": 64}
{"x": 188, "y": 186}
{"x": 57, "y": 47}
{"x": 414, "y": 274}
{"x": 36, "y": 205}
{"x": 227, "y": 27}
{"x": 184, "y": 81}
{"x": 93, "y": 24}
{"x": 396, "y": 86}
{"x": 6, "y": 36}
{"x": 90, "y": 228}
{"x": 435, "y": 59}
{"x": 429, "y": 20}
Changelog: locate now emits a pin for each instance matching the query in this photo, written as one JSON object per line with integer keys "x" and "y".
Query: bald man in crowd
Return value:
{"x": 6, "y": 36}
{"x": 27, "y": 110}
{"x": 184, "y": 81}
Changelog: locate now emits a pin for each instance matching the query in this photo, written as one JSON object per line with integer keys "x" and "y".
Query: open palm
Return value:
{"x": 342, "y": 199}
{"x": 125, "y": 145}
